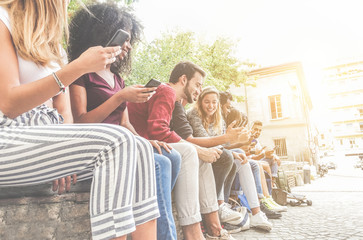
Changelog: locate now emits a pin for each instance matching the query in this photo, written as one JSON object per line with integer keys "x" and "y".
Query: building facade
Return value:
{"x": 280, "y": 100}
{"x": 344, "y": 86}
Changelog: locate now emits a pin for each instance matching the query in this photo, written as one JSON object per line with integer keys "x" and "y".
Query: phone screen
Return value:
{"x": 118, "y": 39}
{"x": 152, "y": 83}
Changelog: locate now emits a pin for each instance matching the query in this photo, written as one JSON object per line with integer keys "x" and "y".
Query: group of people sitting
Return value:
{"x": 137, "y": 144}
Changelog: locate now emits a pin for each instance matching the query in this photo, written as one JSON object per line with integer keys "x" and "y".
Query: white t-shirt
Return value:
{"x": 28, "y": 70}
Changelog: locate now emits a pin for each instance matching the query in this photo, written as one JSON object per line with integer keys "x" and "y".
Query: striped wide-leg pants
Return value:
{"x": 123, "y": 192}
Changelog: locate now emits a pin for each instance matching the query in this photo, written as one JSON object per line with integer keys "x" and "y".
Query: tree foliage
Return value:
{"x": 74, "y": 5}
{"x": 157, "y": 59}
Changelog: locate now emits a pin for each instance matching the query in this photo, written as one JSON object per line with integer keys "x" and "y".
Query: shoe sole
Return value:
{"x": 279, "y": 210}
{"x": 266, "y": 228}
{"x": 233, "y": 221}
{"x": 273, "y": 217}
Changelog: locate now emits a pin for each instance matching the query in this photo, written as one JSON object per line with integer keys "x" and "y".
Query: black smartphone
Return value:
{"x": 152, "y": 83}
{"x": 119, "y": 38}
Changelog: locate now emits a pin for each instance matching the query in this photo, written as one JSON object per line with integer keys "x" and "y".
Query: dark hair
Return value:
{"x": 185, "y": 68}
{"x": 238, "y": 116}
{"x": 257, "y": 122}
{"x": 96, "y": 24}
{"x": 224, "y": 96}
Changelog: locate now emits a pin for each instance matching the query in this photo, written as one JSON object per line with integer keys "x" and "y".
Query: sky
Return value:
{"x": 318, "y": 33}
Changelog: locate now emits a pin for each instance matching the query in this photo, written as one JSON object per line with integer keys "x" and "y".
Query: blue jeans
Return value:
{"x": 273, "y": 165}
{"x": 167, "y": 168}
{"x": 236, "y": 187}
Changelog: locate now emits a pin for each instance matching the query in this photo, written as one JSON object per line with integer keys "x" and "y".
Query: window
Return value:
{"x": 341, "y": 142}
{"x": 275, "y": 106}
{"x": 361, "y": 112}
{"x": 361, "y": 126}
{"x": 351, "y": 142}
{"x": 322, "y": 136}
{"x": 280, "y": 144}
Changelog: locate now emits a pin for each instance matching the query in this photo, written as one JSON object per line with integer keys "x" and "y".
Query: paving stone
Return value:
{"x": 333, "y": 214}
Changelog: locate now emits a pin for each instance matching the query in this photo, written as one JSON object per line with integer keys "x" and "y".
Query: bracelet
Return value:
{"x": 62, "y": 88}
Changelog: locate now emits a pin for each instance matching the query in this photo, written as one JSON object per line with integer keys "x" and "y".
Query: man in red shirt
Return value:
{"x": 195, "y": 191}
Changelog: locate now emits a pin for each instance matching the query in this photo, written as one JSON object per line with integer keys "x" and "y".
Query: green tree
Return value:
{"x": 74, "y": 5}
{"x": 157, "y": 59}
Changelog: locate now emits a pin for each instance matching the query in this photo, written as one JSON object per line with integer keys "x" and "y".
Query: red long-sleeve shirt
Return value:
{"x": 151, "y": 119}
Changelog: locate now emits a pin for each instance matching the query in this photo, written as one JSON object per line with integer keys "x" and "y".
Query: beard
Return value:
{"x": 187, "y": 93}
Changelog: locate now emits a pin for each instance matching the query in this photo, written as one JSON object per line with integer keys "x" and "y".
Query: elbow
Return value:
{"x": 9, "y": 111}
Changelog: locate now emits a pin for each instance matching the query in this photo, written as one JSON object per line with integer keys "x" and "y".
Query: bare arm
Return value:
{"x": 125, "y": 122}
{"x": 17, "y": 99}
{"x": 208, "y": 141}
{"x": 61, "y": 102}
{"x": 135, "y": 93}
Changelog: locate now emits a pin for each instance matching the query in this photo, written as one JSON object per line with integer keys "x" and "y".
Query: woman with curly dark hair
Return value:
{"x": 101, "y": 97}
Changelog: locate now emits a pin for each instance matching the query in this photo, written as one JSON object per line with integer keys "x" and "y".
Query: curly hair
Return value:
{"x": 96, "y": 24}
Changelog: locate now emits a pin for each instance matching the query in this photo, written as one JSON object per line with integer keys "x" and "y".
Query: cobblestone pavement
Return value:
{"x": 336, "y": 212}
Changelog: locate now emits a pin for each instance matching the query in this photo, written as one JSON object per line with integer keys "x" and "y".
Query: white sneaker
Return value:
{"x": 259, "y": 220}
{"x": 242, "y": 224}
{"x": 226, "y": 214}
{"x": 224, "y": 235}
{"x": 245, "y": 223}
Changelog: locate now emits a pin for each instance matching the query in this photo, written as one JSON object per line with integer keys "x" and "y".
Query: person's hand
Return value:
{"x": 276, "y": 159}
{"x": 97, "y": 58}
{"x": 269, "y": 152}
{"x": 136, "y": 93}
{"x": 241, "y": 157}
{"x": 233, "y": 133}
{"x": 244, "y": 136}
{"x": 62, "y": 184}
{"x": 209, "y": 155}
{"x": 157, "y": 144}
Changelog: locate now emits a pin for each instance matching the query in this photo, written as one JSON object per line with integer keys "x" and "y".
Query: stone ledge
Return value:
{"x": 36, "y": 212}
{"x": 41, "y": 190}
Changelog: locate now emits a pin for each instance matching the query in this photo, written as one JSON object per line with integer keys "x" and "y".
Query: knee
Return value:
{"x": 175, "y": 158}
{"x": 162, "y": 164}
{"x": 144, "y": 144}
{"x": 254, "y": 166}
{"x": 189, "y": 155}
{"x": 227, "y": 159}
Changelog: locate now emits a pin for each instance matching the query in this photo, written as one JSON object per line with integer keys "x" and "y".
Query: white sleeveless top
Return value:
{"x": 28, "y": 70}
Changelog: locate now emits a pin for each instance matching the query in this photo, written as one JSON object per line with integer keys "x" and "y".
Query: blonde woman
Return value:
{"x": 206, "y": 120}
{"x": 36, "y": 147}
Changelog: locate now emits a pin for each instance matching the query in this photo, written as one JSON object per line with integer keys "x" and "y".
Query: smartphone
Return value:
{"x": 118, "y": 39}
{"x": 152, "y": 83}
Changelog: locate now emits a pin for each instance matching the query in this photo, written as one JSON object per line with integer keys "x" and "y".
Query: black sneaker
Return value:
{"x": 269, "y": 213}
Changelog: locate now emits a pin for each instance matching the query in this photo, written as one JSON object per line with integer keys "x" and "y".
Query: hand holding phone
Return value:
{"x": 118, "y": 39}
{"x": 152, "y": 83}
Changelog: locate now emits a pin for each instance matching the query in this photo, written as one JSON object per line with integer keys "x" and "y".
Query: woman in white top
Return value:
{"x": 35, "y": 146}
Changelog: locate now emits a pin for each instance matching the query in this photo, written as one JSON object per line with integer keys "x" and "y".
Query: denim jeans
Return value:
{"x": 236, "y": 186}
{"x": 167, "y": 168}
{"x": 273, "y": 165}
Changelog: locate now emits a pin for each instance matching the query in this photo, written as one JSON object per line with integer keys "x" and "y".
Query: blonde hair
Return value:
{"x": 216, "y": 117}
{"x": 38, "y": 28}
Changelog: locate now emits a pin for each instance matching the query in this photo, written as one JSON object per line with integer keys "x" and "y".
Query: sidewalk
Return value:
{"x": 336, "y": 212}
